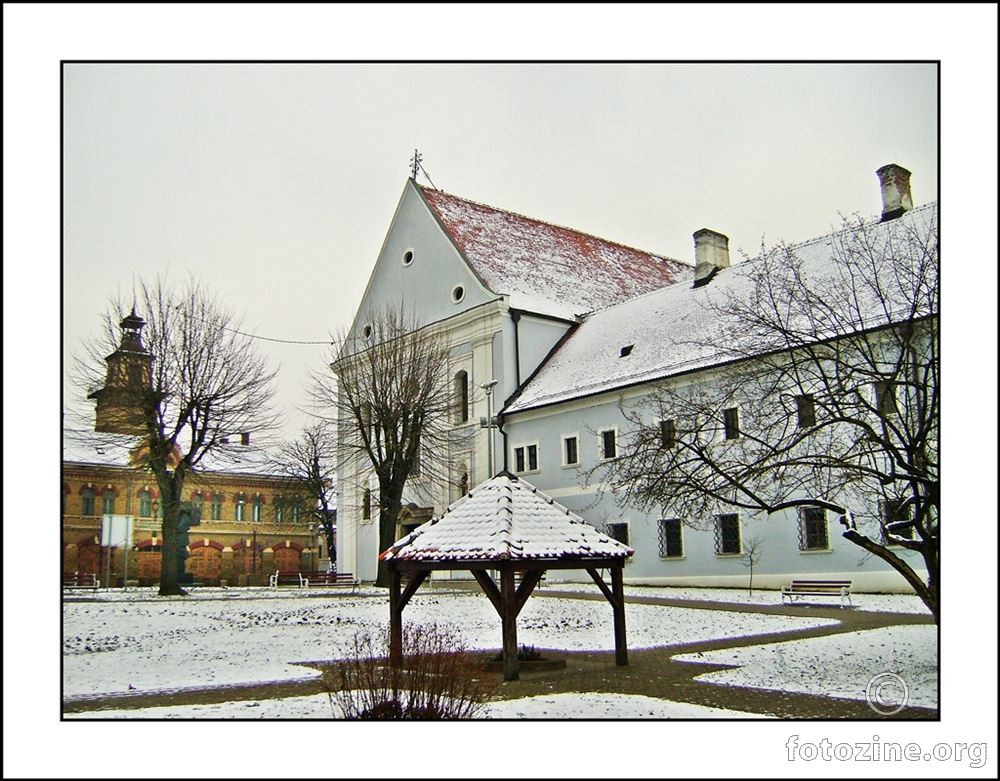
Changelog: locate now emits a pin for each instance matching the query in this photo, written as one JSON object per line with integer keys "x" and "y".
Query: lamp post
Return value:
{"x": 489, "y": 423}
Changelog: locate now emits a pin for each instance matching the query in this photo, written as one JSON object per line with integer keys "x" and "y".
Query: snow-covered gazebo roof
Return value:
{"x": 505, "y": 525}
{"x": 506, "y": 519}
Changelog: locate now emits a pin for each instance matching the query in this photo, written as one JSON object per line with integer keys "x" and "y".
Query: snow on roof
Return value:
{"x": 91, "y": 448}
{"x": 673, "y": 330}
{"x": 505, "y": 518}
{"x": 546, "y": 268}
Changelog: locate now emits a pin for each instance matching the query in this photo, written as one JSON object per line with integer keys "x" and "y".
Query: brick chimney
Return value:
{"x": 711, "y": 253}
{"x": 896, "y": 199}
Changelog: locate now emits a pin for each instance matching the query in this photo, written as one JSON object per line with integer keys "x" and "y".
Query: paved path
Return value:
{"x": 651, "y": 672}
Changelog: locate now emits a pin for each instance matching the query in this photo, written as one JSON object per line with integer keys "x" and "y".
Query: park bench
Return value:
{"x": 328, "y": 579}
{"x": 306, "y": 578}
{"x": 80, "y": 580}
{"x": 284, "y": 577}
{"x": 818, "y": 588}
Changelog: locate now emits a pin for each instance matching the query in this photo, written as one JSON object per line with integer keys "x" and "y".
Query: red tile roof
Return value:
{"x": 546, "y": 267}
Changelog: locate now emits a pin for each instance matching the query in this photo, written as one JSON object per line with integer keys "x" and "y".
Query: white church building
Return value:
{"x": 552, "y": 331}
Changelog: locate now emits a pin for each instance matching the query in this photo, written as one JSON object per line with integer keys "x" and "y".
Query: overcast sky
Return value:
{"x": 276, "y": 183}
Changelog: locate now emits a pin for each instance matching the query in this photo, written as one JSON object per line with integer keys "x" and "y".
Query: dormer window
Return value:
{"x": 626, "y": 350}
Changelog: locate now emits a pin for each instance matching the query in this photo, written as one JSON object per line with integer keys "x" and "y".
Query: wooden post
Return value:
{"x": 395, "y": 617}
{"x": 509, "y": 622}
{"x": 618, "y": 605}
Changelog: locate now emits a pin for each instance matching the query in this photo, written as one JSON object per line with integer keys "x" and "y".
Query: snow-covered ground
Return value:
{"x": 135, "y": 641}
{"x": 245, "y": 636}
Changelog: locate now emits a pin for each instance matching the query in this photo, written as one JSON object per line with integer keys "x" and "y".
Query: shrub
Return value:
{"x": 525, "y": 653}
{"x": 438, "y": 678}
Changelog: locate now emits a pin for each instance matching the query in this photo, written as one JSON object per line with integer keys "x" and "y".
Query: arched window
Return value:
{"x": 216, "y": 507}
{"x": 296, "y": 511}
{"x": 87, "y": 501}
{"x": 462, "y": 397}
{"x": 279, "y": 510}
{"x": 241, "y": 507}
{"x": 258, "y": 509}
{"x": 108, "y": 504}
{"x": 199, "y": 504}
{"x": 145, "y": 504}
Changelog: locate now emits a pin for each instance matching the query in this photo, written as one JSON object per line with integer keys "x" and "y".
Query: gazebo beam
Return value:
{"x": 616, "y": 596}
{"x": 489, "y": 589}
{"x": 508, "y": 620}
{"x": 618, "y": 587}
{"x": 528, "y": 583}
{"x": 398, "y": 600}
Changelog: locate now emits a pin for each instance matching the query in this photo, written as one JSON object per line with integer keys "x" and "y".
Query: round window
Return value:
{"x": 457, "y": 294}
{"x": 408, "y": 257}
{"x": 367, "y": 332}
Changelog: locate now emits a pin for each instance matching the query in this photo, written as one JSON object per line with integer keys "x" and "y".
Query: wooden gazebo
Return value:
{"x": 508, "y": 526}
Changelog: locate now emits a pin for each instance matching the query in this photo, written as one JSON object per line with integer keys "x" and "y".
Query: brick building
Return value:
{"x": 253, "y": 520}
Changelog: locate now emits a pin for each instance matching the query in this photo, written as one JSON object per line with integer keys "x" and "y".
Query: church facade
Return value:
{"x": 556, "y": 333}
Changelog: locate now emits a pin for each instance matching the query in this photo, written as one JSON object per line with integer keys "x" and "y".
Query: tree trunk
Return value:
{"x": 927, "y": 592}
{"x": 389, "y": 503}
{"x": 170, "y": 494}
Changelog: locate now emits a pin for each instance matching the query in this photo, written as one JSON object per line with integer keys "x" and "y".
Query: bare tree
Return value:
{"x": 828, "y": 396}
{"x": 182, "y": 377}
{"x": 308, "y": 466}
{"x": 753, "y": 551}
{"x": 395, "y": 410}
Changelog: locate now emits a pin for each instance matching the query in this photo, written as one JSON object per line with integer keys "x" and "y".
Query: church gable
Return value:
{"x": 421, "y": 268}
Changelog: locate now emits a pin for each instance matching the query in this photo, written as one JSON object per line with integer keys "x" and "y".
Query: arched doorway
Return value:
{"x": 205, "y": 562}
{"x": 287, "y": 556}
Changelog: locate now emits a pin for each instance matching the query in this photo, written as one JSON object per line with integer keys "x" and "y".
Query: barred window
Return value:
{"x": 727, "y": 534}
{"x": 813, "y": 530}
{"x": 806, "y": 409}
{"x": 731, "y": 419}
{"x": 618, "y": 531}
{"x": 671, "y": 541}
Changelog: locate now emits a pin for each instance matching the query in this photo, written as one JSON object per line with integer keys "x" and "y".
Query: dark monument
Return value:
{"x": 189, "y": 515}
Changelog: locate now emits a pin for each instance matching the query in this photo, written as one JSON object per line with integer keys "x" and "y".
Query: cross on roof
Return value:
{"x": 415, "y": 164}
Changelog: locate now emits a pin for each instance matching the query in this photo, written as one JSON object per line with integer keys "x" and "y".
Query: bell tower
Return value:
{"x": 128, "y": 381}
